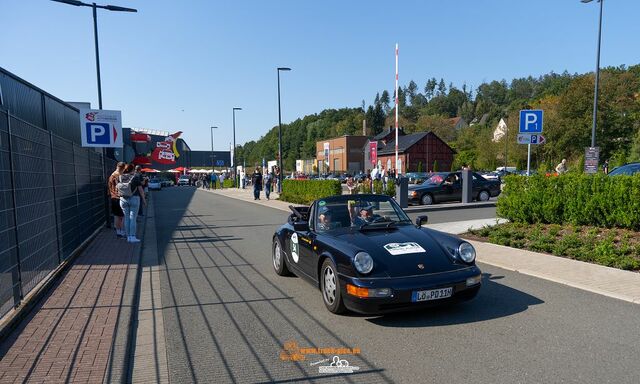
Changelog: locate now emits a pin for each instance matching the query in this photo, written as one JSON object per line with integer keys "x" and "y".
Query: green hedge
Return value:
{"x": 378, "y": 188}
{"x": 597, "y": 200}
{"x": 306, "y": 191}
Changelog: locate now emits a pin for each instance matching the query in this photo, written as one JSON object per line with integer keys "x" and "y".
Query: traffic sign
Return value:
{"x": 531, "y": 139}
{"x": 591, "y": 159}
{"x": 101, "y": 128}
{"x": 531, "y": 121}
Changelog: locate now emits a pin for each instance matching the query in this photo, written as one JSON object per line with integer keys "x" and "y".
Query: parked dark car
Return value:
{"x": 447, "y": 186}
{"x": 627, "y": 169}
{"x": 365, "y": 255}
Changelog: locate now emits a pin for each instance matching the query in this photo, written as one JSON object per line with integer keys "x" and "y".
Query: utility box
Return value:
{"x": 467, "y": 186}
{"x": 402, "y": 192}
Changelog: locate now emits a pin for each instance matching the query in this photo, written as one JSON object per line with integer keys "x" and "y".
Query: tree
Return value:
{"x": 385, "y": 100}
{"x": 442, "y": 88}
{"x": 412, "y": 91}
{"x": 430, "y": 88}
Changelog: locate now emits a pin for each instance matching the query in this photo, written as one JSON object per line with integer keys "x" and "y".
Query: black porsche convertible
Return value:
{"x": 365, "y": 255}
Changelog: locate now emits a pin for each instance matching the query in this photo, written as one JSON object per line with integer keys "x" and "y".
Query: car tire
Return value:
{"x": 330, "y": 288}
{"x": 484, "y": 196}
{"x": 279, "y": 259}
{"x": 426, "y": 199}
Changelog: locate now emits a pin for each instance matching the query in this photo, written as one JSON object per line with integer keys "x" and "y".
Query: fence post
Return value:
{"x": 55, "y": 200}
{"x": 75, "y": 183}
{"x": 16, "y": 275}
{"x": 105, "y": 178}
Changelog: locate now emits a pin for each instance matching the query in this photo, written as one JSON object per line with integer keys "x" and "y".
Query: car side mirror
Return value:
{"x": 421, "y": 220}
{"x": 301, "y": 226}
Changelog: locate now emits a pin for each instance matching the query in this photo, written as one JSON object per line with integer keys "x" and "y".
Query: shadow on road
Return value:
{"x": 493, "y": 301}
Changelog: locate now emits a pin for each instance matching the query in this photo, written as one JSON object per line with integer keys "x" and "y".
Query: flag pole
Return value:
{"x": 398, "y": 169}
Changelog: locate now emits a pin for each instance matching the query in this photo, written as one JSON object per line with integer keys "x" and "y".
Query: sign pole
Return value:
{"x": 529, "y": 159}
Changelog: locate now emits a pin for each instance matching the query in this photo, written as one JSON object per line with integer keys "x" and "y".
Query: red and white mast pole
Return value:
{"x": 398, "y": 169}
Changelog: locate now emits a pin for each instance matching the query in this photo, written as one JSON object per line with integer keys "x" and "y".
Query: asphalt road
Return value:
{"x": 227, "y": 316}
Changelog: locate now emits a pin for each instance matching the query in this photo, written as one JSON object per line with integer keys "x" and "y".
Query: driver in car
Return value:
{"x": 365, "y": 215}
{"x": 324, "y": 220}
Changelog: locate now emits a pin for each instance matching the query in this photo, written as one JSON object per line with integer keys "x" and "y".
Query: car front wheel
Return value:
{"x": 330, "y": 286}
{"x": 278, "y": 259}
{"x": 484, "y": 196}
{"x": 426, "y": 199}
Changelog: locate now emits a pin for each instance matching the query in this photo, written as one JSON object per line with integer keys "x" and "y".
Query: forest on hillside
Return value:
{"x": 567, "y": 101}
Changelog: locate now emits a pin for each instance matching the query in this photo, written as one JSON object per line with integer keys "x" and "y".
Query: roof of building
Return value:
{"x": 404, "y": 143}
{"x": 407, "y": 141}
{"x": 385, "y": 132}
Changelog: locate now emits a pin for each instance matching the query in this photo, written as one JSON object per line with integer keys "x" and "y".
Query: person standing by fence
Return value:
{"x": 131, "y": 195}
{"x": 116, "y": 210}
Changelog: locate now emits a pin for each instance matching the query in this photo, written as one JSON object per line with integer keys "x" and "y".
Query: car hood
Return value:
{"x": 398, "y": 252}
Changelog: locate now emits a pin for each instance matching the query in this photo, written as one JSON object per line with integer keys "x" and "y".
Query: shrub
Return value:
{"x": 597, "y": 200}
{"x": 377, "y": 187}
{"x": 364, "y": 187}
{"x": 306, "y": 191}
{"x": 228, "y": 183}
{"x": 391, "y": 188}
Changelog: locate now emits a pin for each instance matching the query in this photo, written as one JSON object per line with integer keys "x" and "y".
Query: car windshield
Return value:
{"x": 358, "y": 211}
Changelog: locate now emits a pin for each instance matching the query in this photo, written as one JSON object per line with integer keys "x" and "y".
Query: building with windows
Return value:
{"x": 340, "y": 154}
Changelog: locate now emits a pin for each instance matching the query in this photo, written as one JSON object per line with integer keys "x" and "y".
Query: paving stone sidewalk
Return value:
{"x": 71, "y": 333}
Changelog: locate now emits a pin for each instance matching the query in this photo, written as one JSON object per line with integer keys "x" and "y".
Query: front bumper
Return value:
{"x": 400, "y": 300}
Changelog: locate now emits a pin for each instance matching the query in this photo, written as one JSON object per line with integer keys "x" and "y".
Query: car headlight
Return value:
{"x": 467, "y": 252}
{"x": 413, "y": 194}
{"x": 363, "y": 262}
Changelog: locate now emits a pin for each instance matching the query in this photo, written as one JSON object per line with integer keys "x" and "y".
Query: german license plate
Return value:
{"x": 433, "y": 294}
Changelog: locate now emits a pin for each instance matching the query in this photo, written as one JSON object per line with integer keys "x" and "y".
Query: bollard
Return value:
{"x": 402, "y": 192}
{"x": 467, "y": 186}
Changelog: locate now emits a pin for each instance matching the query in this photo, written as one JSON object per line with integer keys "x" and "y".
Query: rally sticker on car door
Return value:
{"x": 294, "y": 247}
{"x": 403, "y": 248}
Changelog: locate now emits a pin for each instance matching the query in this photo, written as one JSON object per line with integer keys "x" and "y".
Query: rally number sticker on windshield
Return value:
{"x": 294, "y": 247}
{"x": 403, "y": 248}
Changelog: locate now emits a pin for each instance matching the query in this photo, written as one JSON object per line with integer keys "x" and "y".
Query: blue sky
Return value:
{"x": 183, "y": 65}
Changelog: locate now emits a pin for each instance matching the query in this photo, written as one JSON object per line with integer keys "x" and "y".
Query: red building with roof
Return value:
{"x": 423, "y": 151}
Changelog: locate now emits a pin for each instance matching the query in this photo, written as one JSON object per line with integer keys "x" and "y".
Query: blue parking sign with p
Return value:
{"x": 98, "y": 133}
{"x": 531, "y": 121}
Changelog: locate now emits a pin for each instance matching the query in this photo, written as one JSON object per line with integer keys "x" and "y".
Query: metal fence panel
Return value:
{"x": 9, "y": 279}
{"x": 52, "y": 198}
{"x": 34, "y": 202}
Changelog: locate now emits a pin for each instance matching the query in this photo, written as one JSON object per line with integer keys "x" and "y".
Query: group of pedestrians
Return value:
{"x": 127, "y": 192}
{"x": 270, "y": 181}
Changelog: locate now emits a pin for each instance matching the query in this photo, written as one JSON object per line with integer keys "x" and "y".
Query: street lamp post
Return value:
{"x": 113, "y": 8}
{"x": 595, "y": 97}
{"x": 213, "y": 164}
{"x": 95, "y": 6}
{"x": 280, "y": 132}
{"x": 234, "y": 146}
